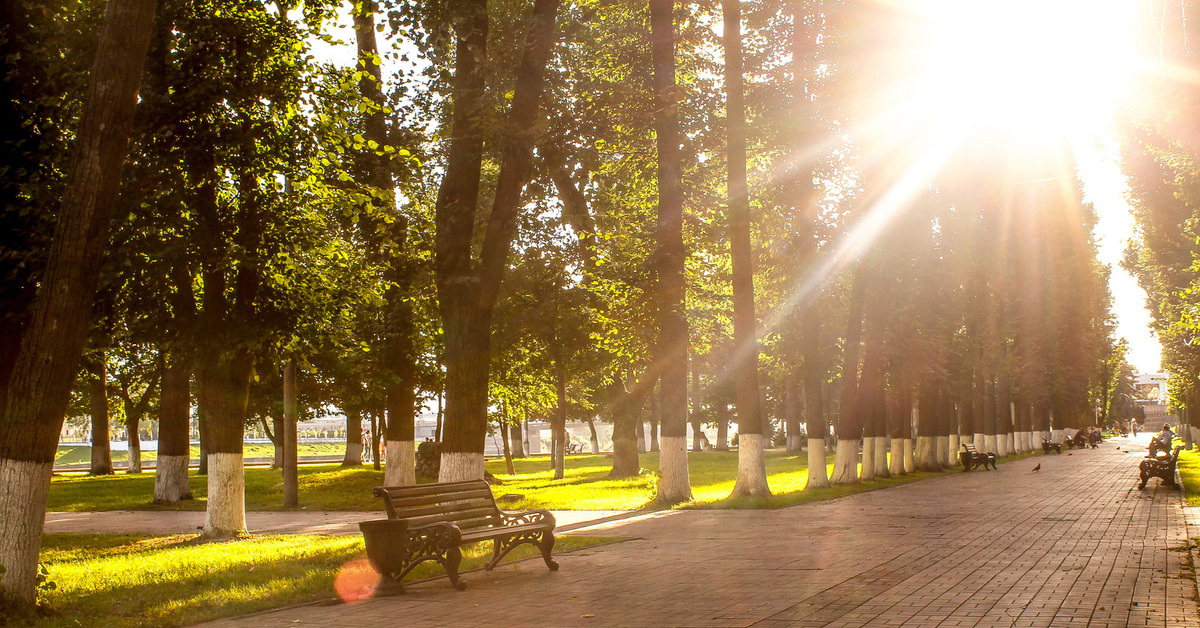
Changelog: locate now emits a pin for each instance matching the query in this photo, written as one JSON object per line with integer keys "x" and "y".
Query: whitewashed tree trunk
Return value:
{"x": 674, "y": 486}
{"x": 926, "y": 455}
{"x": 980, "y": 442}
{"x": 818, "y": 473}
{"x": 941, "y": 450}
{"x": 460, "y": 466}
{"x": 1011, "y": 441}
{"x": 752, "y": 470}
{"x": 226, "y": 514}
{"x": 845, "y": 463}
{"x": 1057, "y": 436}
{"x": 867, "y": 473}
{"x": 896, "y": 461}
{"x": 354, "y": 451}
{"x": 990, "y": 443}
{"x": 909, "y": 463}
{"x": 401, "y": 463}
{"x": 881, "y": 457}
{"x": 24, "y": 487}
{"x": 171, "y": 480}
{"x": 952, "y": 447}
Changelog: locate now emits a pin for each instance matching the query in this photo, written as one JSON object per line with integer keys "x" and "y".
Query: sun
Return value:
{"x": 1024, "y": 67}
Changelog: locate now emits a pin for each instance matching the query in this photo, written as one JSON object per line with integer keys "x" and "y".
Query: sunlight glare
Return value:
{"x": 1027, "y": 66}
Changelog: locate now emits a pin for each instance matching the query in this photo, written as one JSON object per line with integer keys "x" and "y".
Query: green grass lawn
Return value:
{"x": 82, "y": 454}
{"x": 1189, "y": 472}
{"x": 586, "y": 486}
{"x": 120, "y": 581}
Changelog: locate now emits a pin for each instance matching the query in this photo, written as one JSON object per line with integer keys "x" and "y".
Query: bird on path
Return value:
{"x": 1038, "y": 467}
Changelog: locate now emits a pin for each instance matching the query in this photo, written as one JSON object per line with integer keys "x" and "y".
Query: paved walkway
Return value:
{"x": 1075, "y": 544}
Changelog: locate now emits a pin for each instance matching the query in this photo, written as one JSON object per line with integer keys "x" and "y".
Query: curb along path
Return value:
{"x": 1076, "y": 544}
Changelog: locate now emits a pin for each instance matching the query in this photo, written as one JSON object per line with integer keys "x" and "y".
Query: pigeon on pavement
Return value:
{"x": 1038, "y": 467}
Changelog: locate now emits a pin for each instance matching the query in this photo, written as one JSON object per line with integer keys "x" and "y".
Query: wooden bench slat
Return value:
{"x": 459, "y": 518}
{"x": 426, "y": 507}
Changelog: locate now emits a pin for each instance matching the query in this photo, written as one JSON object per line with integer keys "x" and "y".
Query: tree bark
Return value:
{"x": 752, "y": 437}
{"x": 354, "y": 441}
{"x": 671, "y": 352}
{"x": 174, "y": 448}
{"x": 504, "y": 439}
{"x": 291, "y": 471}
{"x": 133, "y": 420}
{"x": 467, "y": 290}
{"x": 98, "y": 405}
{"x": 849, "y": 425}
{"x": 34, "y": 395}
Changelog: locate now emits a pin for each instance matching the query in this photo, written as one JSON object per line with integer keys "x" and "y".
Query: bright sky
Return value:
{"x": 1104, "y": 186}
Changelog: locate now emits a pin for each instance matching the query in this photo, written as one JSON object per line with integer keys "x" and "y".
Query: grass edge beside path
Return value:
{"x": 176, "y": 581}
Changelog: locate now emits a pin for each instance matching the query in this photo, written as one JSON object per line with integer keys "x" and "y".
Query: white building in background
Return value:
{"x": 1151, "y": 386}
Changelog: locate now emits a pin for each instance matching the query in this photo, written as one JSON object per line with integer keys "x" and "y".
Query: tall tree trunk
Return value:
{"x": 225, "y": 391}
{"x": 98, "y": 405}
{"x": 275, "y": 434}
{"x": 467, "y": 291}
{"x": 354, "y": 440}
{"x": 174, "y": 447}
{"x": 291, "y": 471}
{"x": 559, "y": 425}
{"x": 849, "y": 425}
{"x": 627, "y": 414}
{"x": 504, "y": 439}
{"x": 133, "y": 421}
{"x": 518, "y": 442}
{"x": 752, "y": 435}
{"x": 928, "y": 425}
{"x": 34, "y": 392}
{"x": 671, "y": 359}
{"x": 640, "y": 430}
{"x": 594, "y": 439}
{"x": 375, "y": 438}
{"x": 694, "y": 407}
{"x": 397, "y": 343}
{"x": 654, "y": 421}
{"x": 791, "y": 415}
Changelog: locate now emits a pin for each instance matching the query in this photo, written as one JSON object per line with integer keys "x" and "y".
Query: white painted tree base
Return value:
{"x": 845, "y": 463}
{"x": 1057, "y": 436}
{"x": 818, "y": 472}
{"x": 980, "y": 441}
{"x": 226, "y": 514}
{"x": 400, "y": 463}
{"x": 866, "y": 472}
{"x": 752, "y": 467}
{"x": 460, "y": 466}
{"x": 171, "y": 480}
{"x": 941, "y": 448}
{"x": 354, "y": 453}
{"x": 925, "y": 457}
{"x": 991, "y": 444}
{"x": 909, "y": 464}
{"x": 881, "y": 457}
{"x": 24, "y": 486}
{"x": 952, "y": 447}
{"x": 1024, "y": 442}
{"x": 674, "y": 486}
{"x": 896, "y": 459}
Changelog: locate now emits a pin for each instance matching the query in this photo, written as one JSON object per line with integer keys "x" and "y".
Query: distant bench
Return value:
{"x": 1047, "y": 446}
{"x": 431, "y": 521}
{"x": 972, "y": 458}
{"x": 1163, "y": 468}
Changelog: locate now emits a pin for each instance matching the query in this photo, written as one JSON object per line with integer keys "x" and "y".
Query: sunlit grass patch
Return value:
{"x": 1189, "y": 472}
{"x": 120, "y": 581}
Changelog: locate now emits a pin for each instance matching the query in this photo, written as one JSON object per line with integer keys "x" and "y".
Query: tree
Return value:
{"x": 752, "y": 471}
{"x": 33, "y": 395}
{"x": 468, "y": 288}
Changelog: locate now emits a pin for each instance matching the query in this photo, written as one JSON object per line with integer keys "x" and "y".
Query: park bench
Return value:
{"x": 1047, "y": 446}
{"x": 1160, "y": 468}
{"x": 972, "y": 458}
{"x": 431, "y": 522}
{"x": 1078, "y": 441}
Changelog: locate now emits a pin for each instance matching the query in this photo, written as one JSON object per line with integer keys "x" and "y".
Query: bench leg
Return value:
{"x": 1145, "y": 478}
{"x": 387, "y": 586}
{"x": 453, "y": 558}
{"x": 547, "y": 546}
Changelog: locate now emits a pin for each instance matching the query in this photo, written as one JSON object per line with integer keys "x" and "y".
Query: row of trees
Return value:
{"x": 583, "y": 209}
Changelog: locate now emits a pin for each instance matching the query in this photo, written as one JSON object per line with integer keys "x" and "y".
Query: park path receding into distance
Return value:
{"x": 1075, "y": 544}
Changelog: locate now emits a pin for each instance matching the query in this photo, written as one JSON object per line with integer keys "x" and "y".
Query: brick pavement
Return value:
{"x": 1075, "y": 544}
